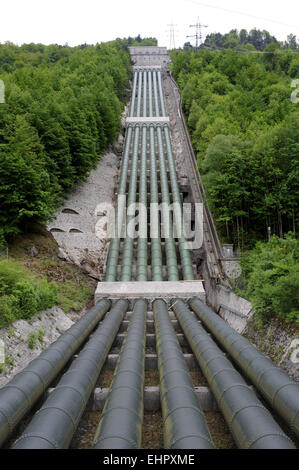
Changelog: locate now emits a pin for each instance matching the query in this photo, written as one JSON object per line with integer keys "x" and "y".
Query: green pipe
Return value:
{"x": 144, "y": 93}
{"x": 22, "y": 392}
{"x": 113, "y": 254}
{"x": 276, "y": 387}
{"x": 128, "y": 249}
{"x": 184, "y": 423}
{"x": 157, "y": 111}
{"x": 171, "y": 258}
{"x": 163, "y": 109}
{"x": 156, "y": 251}
{"x": 142, "y": 234}
{"x": 139, "y": 94}
{"x": 53, "y": 426}
{"x": 150, "y": 94}
{"x": 250, "y": 423}
{"x": 133, "y": 95}
{"x": 122, "y": 417}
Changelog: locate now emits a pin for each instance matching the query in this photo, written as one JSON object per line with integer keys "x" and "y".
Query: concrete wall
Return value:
{"x": 149, "y": 56}
{"x": 218, "y": 297}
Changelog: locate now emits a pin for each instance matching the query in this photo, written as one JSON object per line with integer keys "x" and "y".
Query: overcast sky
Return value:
{"x": 91, "y": 21}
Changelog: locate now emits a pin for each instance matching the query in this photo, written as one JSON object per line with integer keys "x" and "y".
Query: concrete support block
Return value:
{"x": 150, "y": 290}
{"x": 152, "y": 399}
{"x": 151, "y": 362}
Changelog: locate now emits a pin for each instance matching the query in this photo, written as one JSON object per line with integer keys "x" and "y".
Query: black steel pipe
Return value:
{"x": 21, "y": 393}
{"x": 184, "y": 422}
{"x": 278, "y": 389}
{"x": 53, "y": 426}
{"x": 251, "y": 424}
{"x": 122, "y": 417}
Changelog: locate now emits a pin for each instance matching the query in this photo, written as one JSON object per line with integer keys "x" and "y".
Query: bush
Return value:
{"x": 47, "y": 294}
{"x": 272, "y": 275}
{"x": 25, "y": 304}
{"x": 21, "y": 295}
{"x": 10, "y": 273}
{"x": 32, "y": 340}
{"x": 6, "y": 312}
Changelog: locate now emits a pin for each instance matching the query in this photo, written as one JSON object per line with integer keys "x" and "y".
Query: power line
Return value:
{"x": 241, "y": 13}
{"x": 198, "y": 34}
{"x": 172, "y": 33}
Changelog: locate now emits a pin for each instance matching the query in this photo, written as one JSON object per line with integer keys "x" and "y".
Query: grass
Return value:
{"x": 32, "y": 340}
{"x": 35, "y": 336}
{"x": 9, "y": 361}
{"x": 73, "y": 296}
{"x": 75, "y": 288}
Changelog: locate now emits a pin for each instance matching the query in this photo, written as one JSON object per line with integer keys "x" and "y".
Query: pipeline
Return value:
{"x": 112, "y": 258}
{"x": 132, "y": 107}
{"x": 128, "y": 249}
{"x": 171, "y": 258}
{"x": 127, "y": 259}
{"x": 22, "y": 392}
{"x": 142, "y": 235}
{"x": 251, "y": 424}
{"x": 184, "y": 422}
{"x": 278, "y": 389}
{"x": 113, "y": 254}
{"x": 185, "y": 256}
{"x": 121, "y": 421}
{"x": 144, "y": 109}
{"x": 53, "y": 426}
{"x": 156, "y": 101}
{"x": 156, "y": 251}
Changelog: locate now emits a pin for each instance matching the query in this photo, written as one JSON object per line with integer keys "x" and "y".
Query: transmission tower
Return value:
{"x": 172, "y": 33}
{"x": 198, "y": 33}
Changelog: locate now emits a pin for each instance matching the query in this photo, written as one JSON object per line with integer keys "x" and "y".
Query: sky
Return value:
{"x": 92, "y": 21}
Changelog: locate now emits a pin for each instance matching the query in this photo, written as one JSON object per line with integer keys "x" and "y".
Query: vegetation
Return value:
{"x": 74, "y": 288}
{"x": 62, "y": 108}
{"x": 254, "y": 40}
{"x": 138, "y": 41}
{"x": 272, "y": 278}
{"x": 32, "y": 340}
{"x": 35, "y": 336}
{"x": 9, "y": 361}
{"x": 21, "y": 294}
{"x": 245, "y": 132}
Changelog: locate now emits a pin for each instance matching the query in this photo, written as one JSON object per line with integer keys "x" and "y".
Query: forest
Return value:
{"x": 62, "y": 109}
{"x": 243, "y": 40}
{"x": 245, "y": 133}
